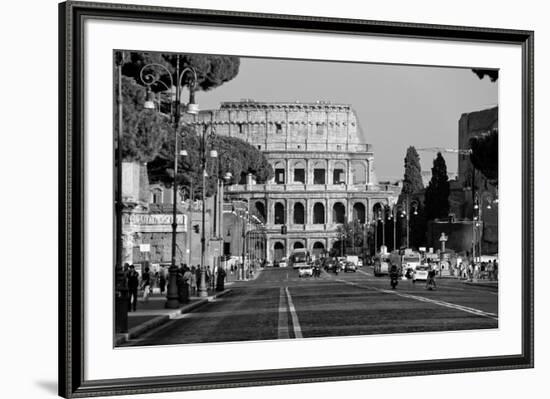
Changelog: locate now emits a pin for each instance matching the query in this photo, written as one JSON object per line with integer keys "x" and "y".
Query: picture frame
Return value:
{"x": 73, "y": 274}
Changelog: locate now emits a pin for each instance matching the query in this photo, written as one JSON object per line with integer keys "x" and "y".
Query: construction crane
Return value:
{"x": 441, "y": 149}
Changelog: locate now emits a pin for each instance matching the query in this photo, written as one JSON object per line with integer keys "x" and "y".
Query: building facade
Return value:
{"x": 323, "y": 173}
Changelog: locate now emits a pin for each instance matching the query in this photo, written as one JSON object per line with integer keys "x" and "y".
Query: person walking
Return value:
{"x": 187, "y": 282}
{"x": 133, "y": 284}
{"x": 220, "y": 284}
{"x": 146, "y": 284}
{"x": 162, "y": 280}
{"x": 193, "y": 282}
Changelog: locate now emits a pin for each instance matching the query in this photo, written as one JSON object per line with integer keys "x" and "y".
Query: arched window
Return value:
{"x": 279, "y": 169}
{"x": 299, "y": 173}
{"x": 338, "y": 213}
{"x": 339, "y": 174}
{"x": 156, "y": 196}
{"x": 278, "y": 251}
{"x": 298, "y": 214}
{"x": 359, "y": 172}
{"x": 298, "y": 245}
{"x": 318, "y": 213}
{"x": 319, "y": 171}
{"x": 359, "y": 212}
{"x": 279, "y": 213}
{"x": 318, "y": 249}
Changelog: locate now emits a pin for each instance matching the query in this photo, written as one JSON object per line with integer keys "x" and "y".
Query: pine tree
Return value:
{"x": 412, "y": 180}
{"x": 438, "y": 190}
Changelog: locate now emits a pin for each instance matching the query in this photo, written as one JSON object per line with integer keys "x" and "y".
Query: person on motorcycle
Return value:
{"x": 394, "y": 275}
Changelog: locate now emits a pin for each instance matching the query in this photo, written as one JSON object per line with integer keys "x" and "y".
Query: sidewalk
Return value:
{"x": 153, "y": 313}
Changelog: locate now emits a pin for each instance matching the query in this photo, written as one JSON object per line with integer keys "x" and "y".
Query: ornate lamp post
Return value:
{"x": 153, "y": 74}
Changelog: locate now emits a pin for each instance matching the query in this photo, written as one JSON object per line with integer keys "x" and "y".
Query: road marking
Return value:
{"x": 295, "y": 322}
{"x": 282, "y": 329}
{"x": 365, "y": 273}
{"x": 427, "y": 300}
{"x": 443, "y": 303}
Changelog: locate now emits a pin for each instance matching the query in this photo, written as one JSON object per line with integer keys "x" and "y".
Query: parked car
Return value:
{"x": 305, "y": 271}
{"x": 283, "y": 263}
{"x": 349, "y": 267}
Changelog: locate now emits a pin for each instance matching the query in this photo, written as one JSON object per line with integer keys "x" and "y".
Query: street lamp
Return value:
{"x": 152, "y": 74}
{"x": 408, "y": 204}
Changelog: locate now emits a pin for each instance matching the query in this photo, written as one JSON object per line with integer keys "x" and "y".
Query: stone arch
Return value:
{"x": 298, "y": 245}
{"x": 298, "y": 213}
{"x": 280, "y": 172}
{"x": 319, "y": 170}
{"x": 339, "y": 172}
{"x": 279, "y": 213}
{"x": 358, "y": 172}
{"x": 279, "y": 251}
{"x": 359, "y": 212}
{"x": 319, "y": 213}
{"x": 338, "y": 213}
{"x": 318, "y": 249}
{"x": 298, "y": 171}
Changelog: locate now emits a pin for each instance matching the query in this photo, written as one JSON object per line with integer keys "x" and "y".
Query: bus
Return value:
{"x": 299, "y": 258}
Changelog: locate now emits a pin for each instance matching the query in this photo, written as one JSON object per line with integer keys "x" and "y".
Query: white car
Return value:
{"x": 282, "y": 263}
{"x": 305, "y": 271}
{"x": 421, "y": 273}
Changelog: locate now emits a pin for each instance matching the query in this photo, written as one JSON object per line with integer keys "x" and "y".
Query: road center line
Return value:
{"x": 295, "y": 322}
{"x": 282, "y": 328}
{"x": 432, "y": 301}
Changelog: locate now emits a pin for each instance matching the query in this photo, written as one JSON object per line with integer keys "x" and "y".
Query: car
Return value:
{"x": 282, "y": 263}
{"x": 329, "y": 264}
{"x": 421, "y": 273}
{"x": 349, "y": 267}
{"x": 305, "y": 271}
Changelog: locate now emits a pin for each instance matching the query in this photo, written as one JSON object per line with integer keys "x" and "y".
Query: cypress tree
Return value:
{"x": 438, "y": 190}
{"x": 412, "y": 180}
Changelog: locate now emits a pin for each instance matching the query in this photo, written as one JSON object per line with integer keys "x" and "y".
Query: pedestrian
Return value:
{"x": 198, "y": 275}
{"x": 162, "y": 280}
{"x": 186, "y": 281}
{"x": 495, "y": 269}
{"x": 207, "y": 276}
{"x": 133, "y": 284}
{"x": 220, "y": 284}
{"x": 146, "y": 284}
{"x": 180, "y": 283}
{"x": 193, "y": 281}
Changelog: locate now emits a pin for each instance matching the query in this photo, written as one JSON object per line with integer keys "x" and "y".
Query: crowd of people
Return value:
{"x": 188, "y": 282}
{"x": 479, "y": 271}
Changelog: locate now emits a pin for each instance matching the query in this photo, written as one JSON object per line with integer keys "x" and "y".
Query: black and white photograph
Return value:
{"x": 262, "y": 198}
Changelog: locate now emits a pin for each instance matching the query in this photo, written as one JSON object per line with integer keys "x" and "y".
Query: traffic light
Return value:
{"x": 196, "y": 228}
{"x": 283, "y": 229}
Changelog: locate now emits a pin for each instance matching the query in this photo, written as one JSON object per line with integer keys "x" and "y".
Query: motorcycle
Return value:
{"x": 394, "y": 281}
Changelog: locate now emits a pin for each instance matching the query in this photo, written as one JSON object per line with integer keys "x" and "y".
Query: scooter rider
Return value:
{"x": 394, "y": 275}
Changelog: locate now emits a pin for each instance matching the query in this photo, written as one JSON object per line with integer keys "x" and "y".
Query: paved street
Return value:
{"x": 280, "y": 305}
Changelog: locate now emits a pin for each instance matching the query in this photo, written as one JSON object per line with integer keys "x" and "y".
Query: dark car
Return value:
{"x": 350, "y": 267}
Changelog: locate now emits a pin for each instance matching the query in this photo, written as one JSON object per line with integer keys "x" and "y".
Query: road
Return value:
{"x": 280, "y": 305}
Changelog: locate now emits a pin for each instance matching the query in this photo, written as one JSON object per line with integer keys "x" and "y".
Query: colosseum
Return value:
{"x": 324, "y": 172}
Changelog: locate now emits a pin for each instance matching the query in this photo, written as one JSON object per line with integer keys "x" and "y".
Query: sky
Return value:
{"x": 397, "y": 105}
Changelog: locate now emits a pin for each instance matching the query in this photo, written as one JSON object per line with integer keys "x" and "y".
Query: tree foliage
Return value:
{"x": 438, "y": 190}
{"x": 234, "y": 156}
{"x": 212, "y": 70}
{"x": 484, "y": 154}
{"x": 144, "y": 131}
{"x": 490, "y": 73}
{"x": 412, "y": 180}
